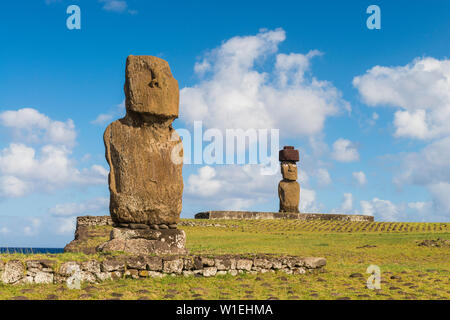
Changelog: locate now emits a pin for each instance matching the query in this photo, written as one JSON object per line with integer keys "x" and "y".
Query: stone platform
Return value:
{"x": 145, "y": 241}
{"x": 49, "y": 271}
{"x": 252, "y": 215}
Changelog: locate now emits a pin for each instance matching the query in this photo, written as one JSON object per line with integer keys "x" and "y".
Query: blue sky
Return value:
{"x": 367, "y": 108}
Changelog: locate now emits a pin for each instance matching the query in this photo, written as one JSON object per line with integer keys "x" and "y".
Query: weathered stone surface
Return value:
{"x": 314, "y": 262}
{"x": 102, "y": 276}
{"x": 154, "y": 263}
{"x": 289, "y": 194}
{"x": 89, "y": 232}
{"x": 173, "y": 266}
{"x": 139, "y": 263}
{"x": 91, "y": 266}
{"x": 244, "y": 264}
{"x": 132, "y": 273}
{"x": 69, "y": 268}
{"x": 188, "y": 264}
{"x": 146, "y": 241}
{"x": 43, "y": 277}
{"x": 145, "y": 184}
{"x": 262, "y": 263}
{"x": 224, "y": 263}
{"x": 113, "y": 264}
{"x": 155, "y": 274}
{"x": 289, "y": 171}
{"x": 209, "y": 271}
{"x": 13, "y": 272}
{"x": 288, "y": 153}
{"x": 150, "y": 87}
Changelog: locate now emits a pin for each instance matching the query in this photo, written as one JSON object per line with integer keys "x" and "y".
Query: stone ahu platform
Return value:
{"x": 250, "y": 215}
{"x": 49, "y": 271}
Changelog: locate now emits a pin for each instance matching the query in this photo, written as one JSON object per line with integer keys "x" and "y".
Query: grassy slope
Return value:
{"x": 424, "y": 271}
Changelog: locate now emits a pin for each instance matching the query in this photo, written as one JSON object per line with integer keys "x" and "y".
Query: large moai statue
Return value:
{"x": 145, "y": 185}
{"x": 289, "y": 188}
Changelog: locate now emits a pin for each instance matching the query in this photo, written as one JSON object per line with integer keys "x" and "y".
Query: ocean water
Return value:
{"x": 31, "y": 250}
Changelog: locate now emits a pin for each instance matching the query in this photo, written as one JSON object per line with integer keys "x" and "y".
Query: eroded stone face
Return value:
{"x": 289, "y": 171}
{"x": 150, "y": 87}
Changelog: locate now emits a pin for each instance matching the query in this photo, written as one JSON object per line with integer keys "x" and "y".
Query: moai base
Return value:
{"x": 289, "y": 188}
{"x": 145, "y": 180}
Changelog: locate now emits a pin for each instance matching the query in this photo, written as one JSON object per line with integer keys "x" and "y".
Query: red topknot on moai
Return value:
{"x": 289, "y": 188}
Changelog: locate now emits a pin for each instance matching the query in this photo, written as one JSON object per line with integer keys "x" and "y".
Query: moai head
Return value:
{"x": 150, "y": 88}
{"x": 288, "y": 157}
{"x": 289, "y": 171}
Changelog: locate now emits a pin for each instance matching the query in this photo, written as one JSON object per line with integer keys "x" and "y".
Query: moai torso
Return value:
{"x": 145, "y": 185}
{"x": 289, "y": 188}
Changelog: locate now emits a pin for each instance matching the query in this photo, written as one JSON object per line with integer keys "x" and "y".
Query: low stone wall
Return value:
{"x": 90, "y": 232}
{"x": 136, "y": 267}
{"x": 250, "y": 215}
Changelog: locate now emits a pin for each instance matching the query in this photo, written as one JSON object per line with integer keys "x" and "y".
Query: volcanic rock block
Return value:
{"x": 289, "y": 194}
{"x": 140, "y": 241}
{"x": 146, "y": 186}
{"x": 150, "y": 87}
{"x": 289, "y": 154}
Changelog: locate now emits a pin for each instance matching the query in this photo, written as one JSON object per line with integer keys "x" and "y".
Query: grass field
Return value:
{"x": 408, "y": 271}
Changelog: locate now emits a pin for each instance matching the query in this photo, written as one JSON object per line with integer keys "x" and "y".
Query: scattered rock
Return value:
{"x": 13, "y": 272}
{"x": 438, "y": 243}
{"x": 356, "y": 275}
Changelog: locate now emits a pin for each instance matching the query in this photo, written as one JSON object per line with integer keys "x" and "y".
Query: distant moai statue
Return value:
{"x": 289, "y": 188}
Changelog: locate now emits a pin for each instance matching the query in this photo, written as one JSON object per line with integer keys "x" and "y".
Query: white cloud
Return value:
{"x": 360, "y": 177}
{"x": 4, "y": 231}
{"x": 429, "y": 166}
{"x": 79, "y": 209}
{"x": 12, "y": 187}
{"x": 308, "y": 201}
{"x": 115, "y": 113}
{"x": 323, "y": 177}
{"x": 344, "y": 151}
{"x": 114, "y": 5}
{"x": 32, "y": 126}
{"x": 231, "y": 187}
{"x": 204, "y": 183}
{"x": 234, "y": 187}
{"x": 26, "y": 168}
{"x": 421, "y": 90}
{"x": 33, "y": 228}
{"x": 22, "y": 170}
{"x": 66, "y": 226}
{"x": 383, "y": 210}
{"x": 235, "y": 93}
{"x": 346, "y": 205}
{"x": 118, "y": 6}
